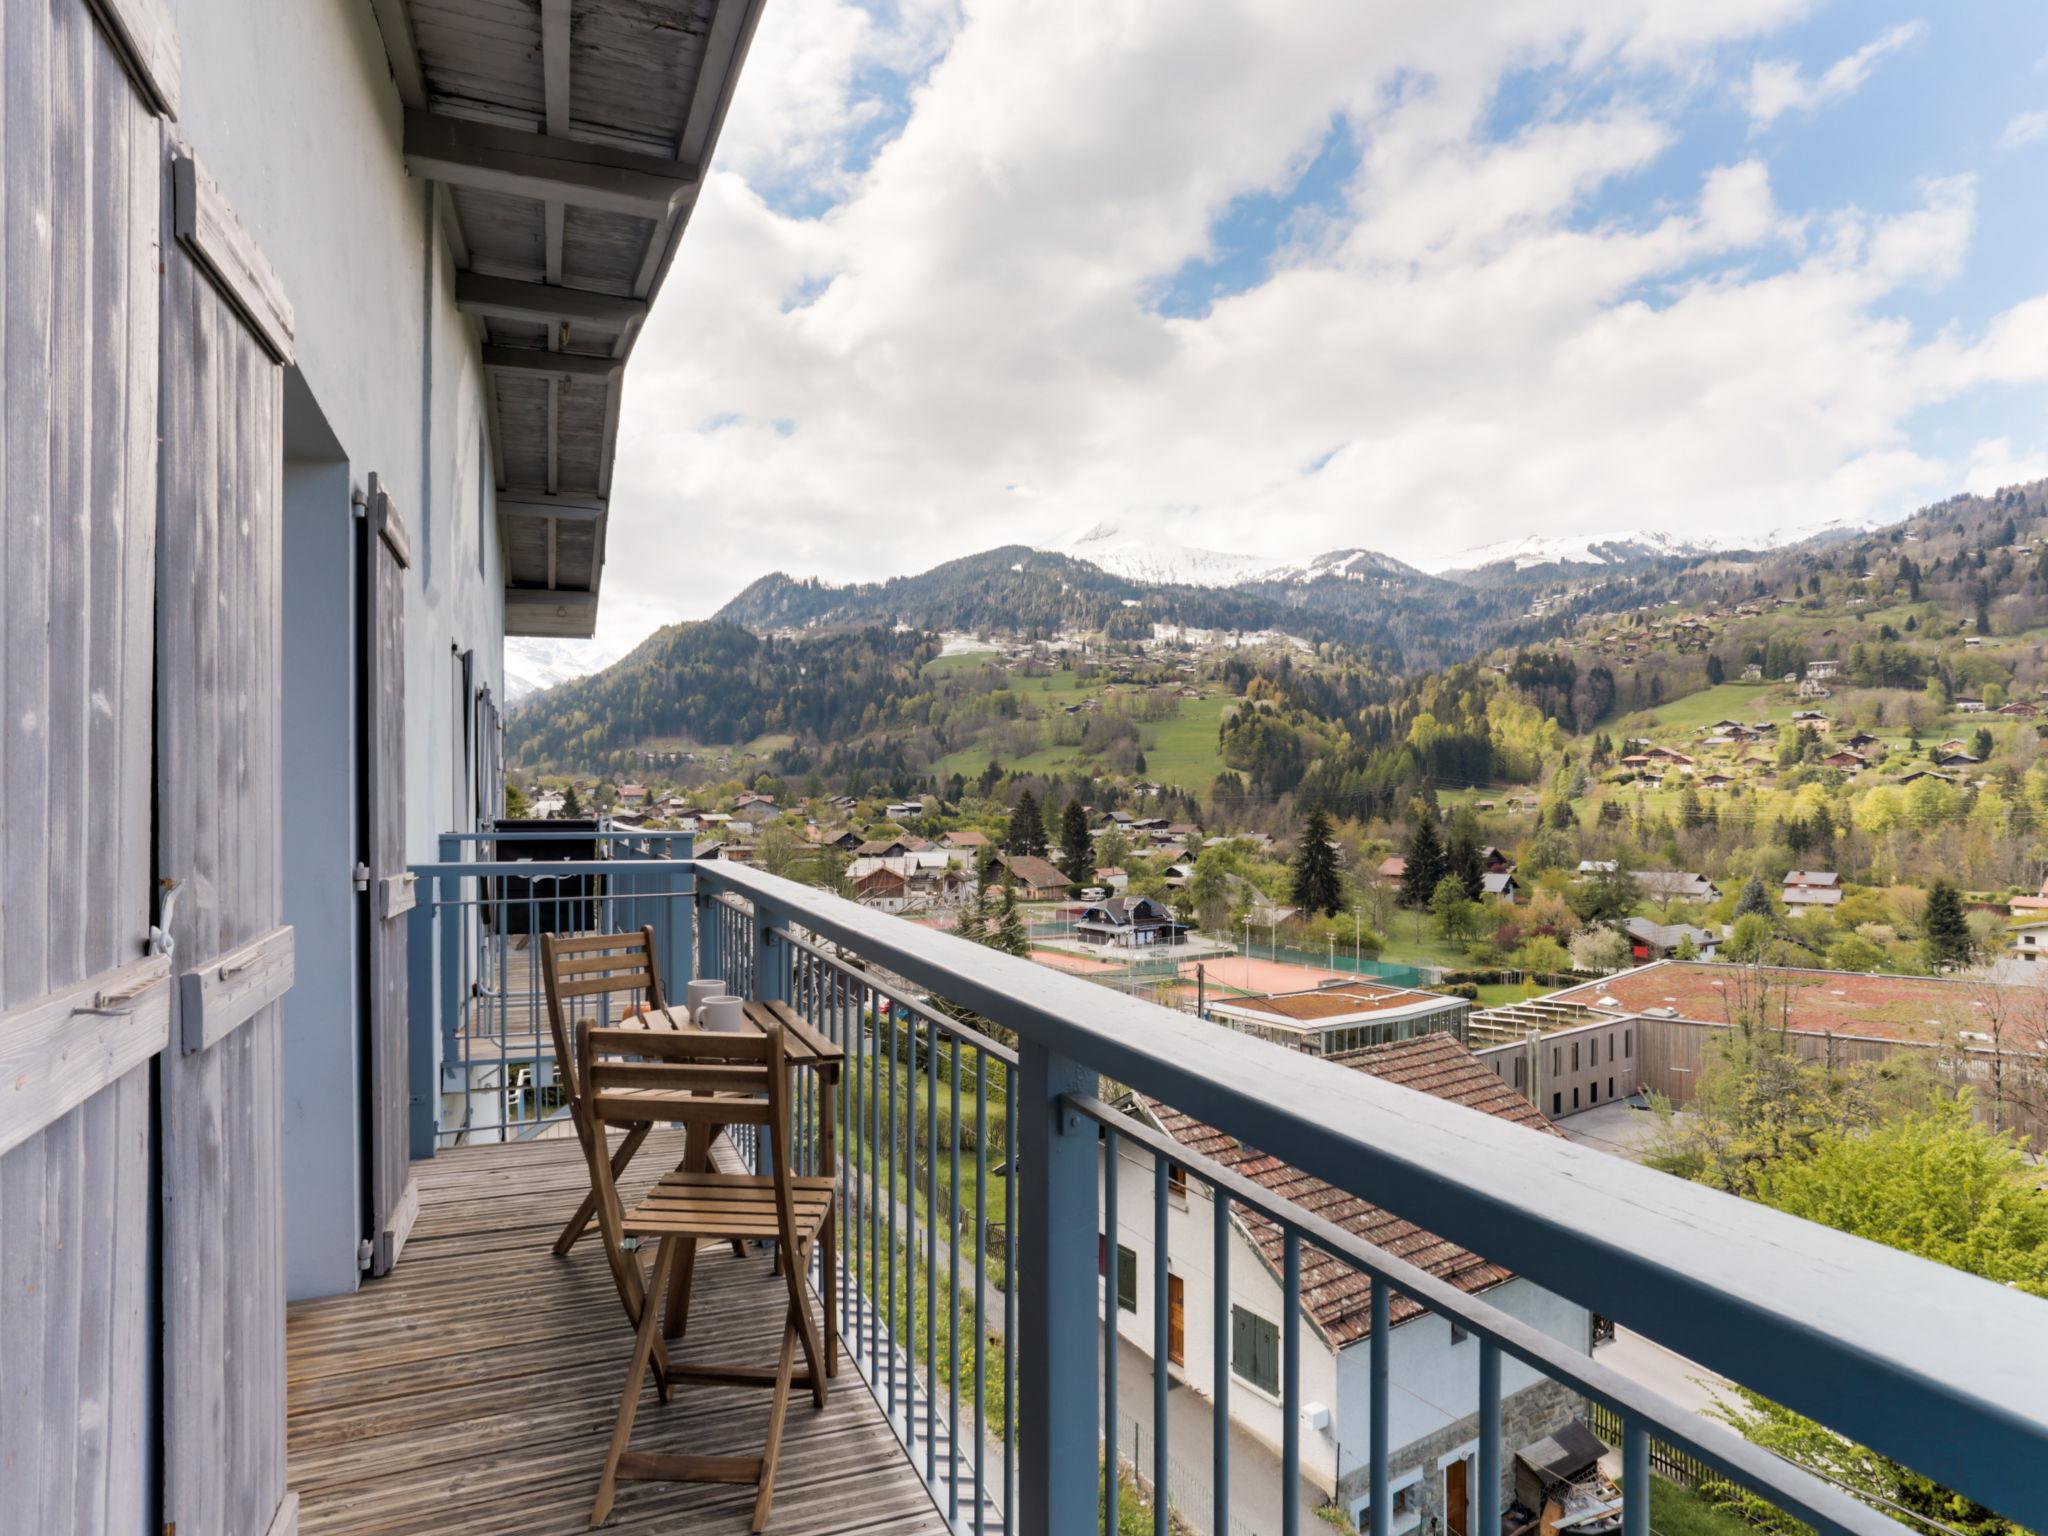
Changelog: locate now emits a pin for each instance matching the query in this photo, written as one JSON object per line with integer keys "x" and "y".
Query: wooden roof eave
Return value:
{"x": 562, "y": 223}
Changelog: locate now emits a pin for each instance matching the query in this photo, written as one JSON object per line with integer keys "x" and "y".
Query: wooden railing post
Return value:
{"x": 1058, "y": 1447}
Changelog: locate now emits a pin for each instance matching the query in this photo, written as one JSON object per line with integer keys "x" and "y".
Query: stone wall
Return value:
{"x": 1526, "y": 1416}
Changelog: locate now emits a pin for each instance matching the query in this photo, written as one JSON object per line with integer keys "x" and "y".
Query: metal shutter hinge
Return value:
{"x": 362, "y": 877}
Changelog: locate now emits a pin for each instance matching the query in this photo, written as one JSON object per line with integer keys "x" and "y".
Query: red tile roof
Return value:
{"x": 1920, "y": 1009}
{"x": 1337, "y": 1298}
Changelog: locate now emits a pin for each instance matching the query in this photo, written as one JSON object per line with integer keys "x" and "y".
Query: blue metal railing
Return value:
{"x": 963, "y": 1299}
{"x": 482, "y": 1056}
{"x": 1912, "y": 1359}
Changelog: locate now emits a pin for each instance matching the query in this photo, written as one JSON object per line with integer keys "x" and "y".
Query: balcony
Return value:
{"x": 995, "y": 1353}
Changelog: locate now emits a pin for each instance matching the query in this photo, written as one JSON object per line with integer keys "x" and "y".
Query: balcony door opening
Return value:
{"x": 323, "y": 1031}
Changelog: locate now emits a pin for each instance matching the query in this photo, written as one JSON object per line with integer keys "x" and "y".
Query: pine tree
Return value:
{"x": 1716, "y": 673}
{"x": 1755, "y": 896}
{"x": 571, "y": 806}
{"x": 1075, "y": 850}
{"x": 1010, "y": 937}
{"x": 1425, "y": 864}
{"x": 1316, "y": 886}
{"x": 1027, "y": 829}
{"x": 1946, "y": 931}
{"x": 1463, "y": 859}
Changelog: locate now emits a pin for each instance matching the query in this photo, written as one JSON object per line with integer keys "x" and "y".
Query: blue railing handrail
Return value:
{"x": 1937, "y": 1368}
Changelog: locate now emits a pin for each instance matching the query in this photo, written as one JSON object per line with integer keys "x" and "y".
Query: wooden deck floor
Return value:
{"x": 473, "y": 1388}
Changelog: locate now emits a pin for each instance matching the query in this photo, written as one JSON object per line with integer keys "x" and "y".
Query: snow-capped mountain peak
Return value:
{"x": 1155, "y": 561}
{"x": 535, "y": 665}
{"x": 1534, "y": 549}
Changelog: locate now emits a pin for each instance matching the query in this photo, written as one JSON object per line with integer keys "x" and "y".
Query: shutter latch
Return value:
{"x": 362, "y": 877}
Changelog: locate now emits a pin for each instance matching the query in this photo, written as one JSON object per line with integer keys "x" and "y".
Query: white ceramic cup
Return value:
{"x": 723, "y": 1013}
{"x": 697, "y": 994}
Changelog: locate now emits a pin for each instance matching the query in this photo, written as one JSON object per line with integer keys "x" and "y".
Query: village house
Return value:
{"x": 1650, "y": 940}
{"x": 965, "y": 838}
{"x": 1812, "y": 888}
{"x": 1126, "y": 922}
{"x": 1032, "y": 878}
{"x": 2029, "y": 941}
{"x": 1392, "y": 868}
{"x": 1675, "y": 885}
{"x": 1823, "y": 668}
{"x": 1813, "y": 688}
{"x": 2019, "y": 709}
{"x": 1432, "y": 1434}
{"x": 1848, "y": 762}
{"x": 1113, "y": 878}
{"x": 1969, "y": 704}
{"x": 1500, "y": 885}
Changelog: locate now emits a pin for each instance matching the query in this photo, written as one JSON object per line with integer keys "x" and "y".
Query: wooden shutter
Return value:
{"x": 394, "y": 1199}
{"x": 225, "y": 330}
{"x": 82, "y": 1010}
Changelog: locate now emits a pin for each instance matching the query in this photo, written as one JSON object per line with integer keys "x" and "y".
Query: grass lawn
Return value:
{"x": 1733, "y": 701}
{"x": 1180, "y": 751}
{"x": 1498, "y": 993}
{"x": 960, "y": 661}
{"x": 1676, "y": 1511}
{"x": 1183, "y": 750}
{"x": 1413, "y": 940}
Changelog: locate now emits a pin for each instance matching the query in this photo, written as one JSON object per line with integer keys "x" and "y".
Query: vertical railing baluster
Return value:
{"x": 1112, "y": 1273}
{"x": 1635, "y": 1478}
{"x": 1011, "y": 1514}
{"x": 894, "y": 1042}
{"x": 931, "y": 1256}
{"x": 980, "y": 1282}
{"x": 1378, "y": 1366}
{"x": 1161, "y": 1342}
{"x": 908, "y": 1347}
{"x": 953, "y": 1285}
{"x": 1489, "y": 1438}
{"x": 1219, "y": 1408}
{"x": 1290, "y": 1386}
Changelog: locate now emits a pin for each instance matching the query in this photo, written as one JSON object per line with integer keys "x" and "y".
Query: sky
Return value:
{"x": 1287, "y": 277}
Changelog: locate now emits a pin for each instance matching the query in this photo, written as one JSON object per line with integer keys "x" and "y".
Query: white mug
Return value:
{"x": 698, "y": 993}
{"x": 728, "y": 1014}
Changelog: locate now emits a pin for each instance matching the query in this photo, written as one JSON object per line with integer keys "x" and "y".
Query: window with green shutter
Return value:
{"x": 1126, "y": 1278}
{"x": 1255, "y": 1349}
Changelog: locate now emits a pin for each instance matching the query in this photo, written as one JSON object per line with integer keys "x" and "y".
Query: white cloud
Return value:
{"x": 1778, "y": 86}
{"x": 2025, "y": 128}
{"x": 1475, "y": 339}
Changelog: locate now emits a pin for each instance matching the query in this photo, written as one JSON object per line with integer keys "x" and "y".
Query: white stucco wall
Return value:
{"x": 290, "y": 108}
{"x": 1433, "y": 1382}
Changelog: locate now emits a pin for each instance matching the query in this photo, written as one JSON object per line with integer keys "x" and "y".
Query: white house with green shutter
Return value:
{"x": 1433, "y": 1434}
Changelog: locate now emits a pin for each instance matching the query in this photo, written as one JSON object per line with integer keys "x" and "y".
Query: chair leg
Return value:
{"x": 629, "y": 1401}
{"x": 807, "y": 1330}
{"x": 677, "y": 1313}
{"x": 828, "y": 1270}
{"x": 777, "y": 1412}
{"x": 580, "y": 1222}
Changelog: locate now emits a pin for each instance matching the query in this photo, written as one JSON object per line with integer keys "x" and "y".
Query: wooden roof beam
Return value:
{"x": 508, "y": 298}
{"x": 556, "y": 364}
{"x": 566, "y": 509}
{"x": 545, "y": 166}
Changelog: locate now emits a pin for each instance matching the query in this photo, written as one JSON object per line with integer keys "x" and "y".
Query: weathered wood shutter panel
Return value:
{"x": 78, "y": 349}
{"x": 219, "y": 833}
{"x": 393, "y": 1198}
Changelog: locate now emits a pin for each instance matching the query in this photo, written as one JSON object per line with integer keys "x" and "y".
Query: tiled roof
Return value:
{"x": 1336, "y": 1297}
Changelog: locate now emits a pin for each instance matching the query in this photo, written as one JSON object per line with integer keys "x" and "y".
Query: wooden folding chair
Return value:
{"x": 596, "y": 965}
{"x": 707, "y": 1080}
